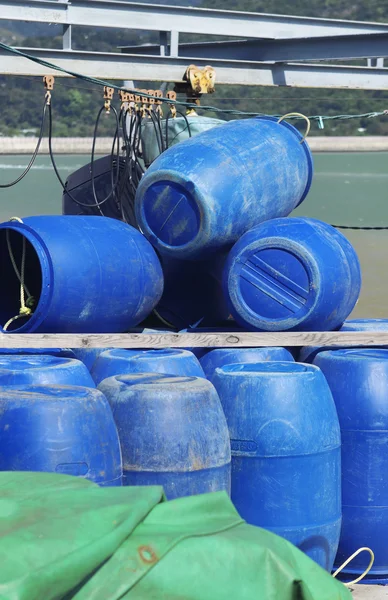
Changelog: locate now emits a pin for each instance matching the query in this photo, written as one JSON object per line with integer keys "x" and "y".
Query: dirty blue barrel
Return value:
{"x": 88, "y": 355}
{"x": 172, "y": 432}
{"x": 59, "y": 429}
{"x": 286, "y": 464}
{"x": 358, "y": 379}
{"x": 204, "y": 193}
{"x": 82, "y": 274}
{"x": 172, "y": 132}
{"x": 308, "y": 353}
{"x": 61, "y": 352}
{"x": 16, "y": 370}
{"x": 193, "y": 293}
{"x": 164, "y": 360}
{"x": 292, "y": 274}
{"x": 220, "y": 357}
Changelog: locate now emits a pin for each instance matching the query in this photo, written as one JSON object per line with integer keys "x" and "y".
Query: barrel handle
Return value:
{"x": 296, "y": 114}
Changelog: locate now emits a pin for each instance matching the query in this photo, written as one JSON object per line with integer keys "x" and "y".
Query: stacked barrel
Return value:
{"x": 215, "y": 249}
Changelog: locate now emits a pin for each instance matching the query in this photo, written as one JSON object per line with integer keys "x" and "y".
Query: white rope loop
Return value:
{"x": 347, "y": 561}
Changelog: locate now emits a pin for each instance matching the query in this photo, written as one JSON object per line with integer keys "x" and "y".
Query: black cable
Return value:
{"x": 116, "y": 136}
{"x": 158, "y": 131}
{"x": 361, "y": 228}
{"x": 35, "y": 153}
{"x": 187, "y": 128}
{"x": 53, "y": 162}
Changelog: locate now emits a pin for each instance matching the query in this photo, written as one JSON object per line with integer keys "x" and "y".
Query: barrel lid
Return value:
{"x": 267, "y": 368}
{"x": 169, "y": 211}
{"x": 274, "y": 285}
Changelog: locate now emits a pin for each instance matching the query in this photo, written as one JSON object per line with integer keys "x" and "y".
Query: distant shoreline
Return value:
{"x": 26, "y": 145}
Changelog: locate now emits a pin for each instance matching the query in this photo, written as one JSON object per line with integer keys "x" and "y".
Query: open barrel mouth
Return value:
{"x": 20, "y": 268}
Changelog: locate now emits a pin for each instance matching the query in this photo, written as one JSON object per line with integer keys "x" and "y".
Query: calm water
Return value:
{"x": 348, "y": 189}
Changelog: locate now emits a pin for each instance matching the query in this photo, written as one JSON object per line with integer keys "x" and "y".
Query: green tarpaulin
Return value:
{"x": 64, "y": 537}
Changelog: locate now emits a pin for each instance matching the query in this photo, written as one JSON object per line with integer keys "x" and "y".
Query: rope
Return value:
{"x": 296, "y": 114}
{"x": 25, "y": 311}
{"x": 359, "y": 228}
{"x": 348, "y": 583}
{"x": 101, "y": 82}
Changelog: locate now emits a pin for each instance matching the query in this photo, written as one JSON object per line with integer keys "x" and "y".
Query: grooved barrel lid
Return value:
{"x": 274, "y": 282}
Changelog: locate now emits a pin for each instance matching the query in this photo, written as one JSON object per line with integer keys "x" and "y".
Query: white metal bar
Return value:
{"x": 154, "y": 17}
{"x": 200, "y": 340}
{"x": 171, "y": 69}
{"x": 341, "y": 47}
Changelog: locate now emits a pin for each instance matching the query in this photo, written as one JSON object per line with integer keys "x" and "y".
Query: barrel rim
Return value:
{"x": 47, "y": 272}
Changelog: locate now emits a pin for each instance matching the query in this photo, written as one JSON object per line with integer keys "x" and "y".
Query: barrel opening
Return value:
{"x": 10, "y": 301}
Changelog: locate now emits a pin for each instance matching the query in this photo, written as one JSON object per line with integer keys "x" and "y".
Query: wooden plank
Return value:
{"x": 187, "y": 340}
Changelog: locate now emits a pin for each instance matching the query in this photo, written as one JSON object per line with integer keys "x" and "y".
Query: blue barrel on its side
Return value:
{"x": 308, "y": 353}
{"x": 358, "y": 379}
{"x": 17, "y": 370}
{"x": 219, "y": 357}
{"x": 193, "y": 292}
{"x": 59, "y": 429}
{"x": 203, "y": 194}
{"x": 172, "y": 432}
{"x": 286, "y": 463}
{"x": 293, "y": 274}
{"x": 83, "y": 274}
{"x": 164, "y": 360}
{"x": 60, "y": 352}
{"x": 88, "y": 355}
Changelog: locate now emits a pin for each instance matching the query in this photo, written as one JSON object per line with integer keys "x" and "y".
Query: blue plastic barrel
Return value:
{"x": 59, "y": 429}
{"x": 219, "y": 357}
{"x": 365, "y": 325}
{"x": 61, "y": 352}
{"x": 164, "y": 360}
{"x": 308, "y": 353}
{"x": 358, "y": 379}
{"x": 193, "y": 293}
{"x": 82, "y": 274}
{"x": 286, "y": 464}
{"x": 292, "y": 274}
{"x": 88, "y": 355}
{"x": 204, "y": 193}
{"x": 16, "y": 370}
{"x": 172, "y": 432}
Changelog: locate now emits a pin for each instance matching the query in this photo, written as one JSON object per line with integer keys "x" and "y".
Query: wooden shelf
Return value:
{"x": 188, "y": 340}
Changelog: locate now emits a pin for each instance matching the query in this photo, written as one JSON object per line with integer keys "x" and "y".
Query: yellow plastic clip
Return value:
{"x": 172, "y": 96}
{"x": 158, "y": 102}
{"x": 144, "y": 104}
{"x": 48, "y": 81}
{"x": 108, "y": 96}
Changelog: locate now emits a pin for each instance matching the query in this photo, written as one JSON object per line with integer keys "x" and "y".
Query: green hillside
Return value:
{"x": 75, "y": 104}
